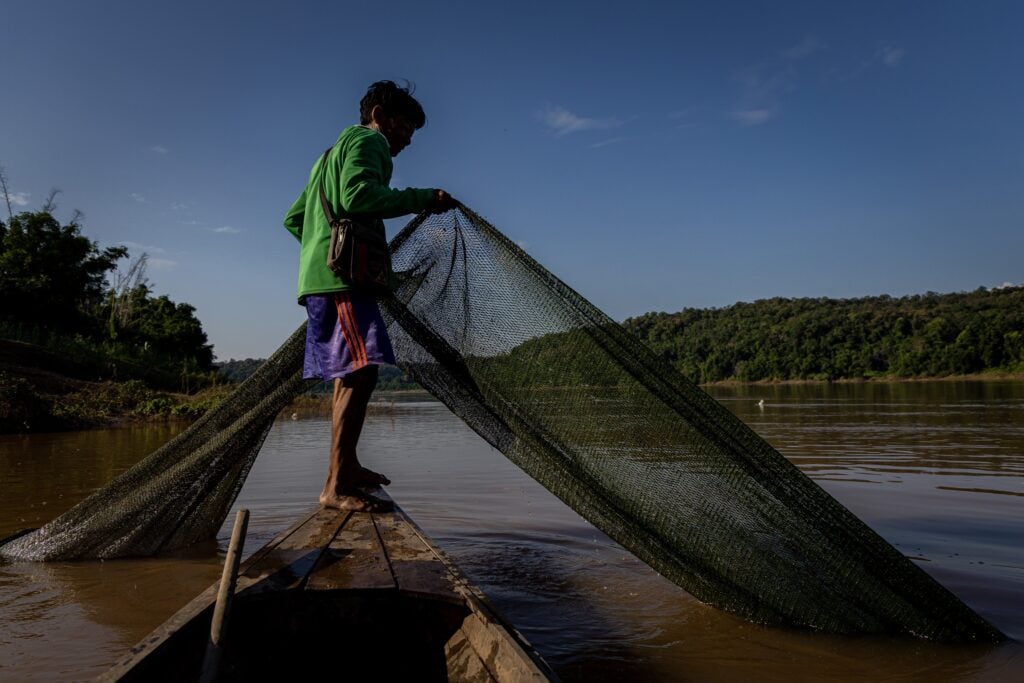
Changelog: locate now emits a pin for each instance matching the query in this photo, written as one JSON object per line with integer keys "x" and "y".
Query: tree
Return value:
{"x": 127, "y": 290}
{"x": 50, "y": 274}
{"x": 922, "y": 335}
{"x": 7, "y": 195}
{"x": 163, "y": 327}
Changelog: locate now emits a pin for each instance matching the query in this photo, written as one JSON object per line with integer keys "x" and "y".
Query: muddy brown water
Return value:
{"x": 936, "y": 468}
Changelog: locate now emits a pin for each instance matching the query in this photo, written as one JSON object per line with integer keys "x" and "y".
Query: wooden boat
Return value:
{"x": 348, "y": 595}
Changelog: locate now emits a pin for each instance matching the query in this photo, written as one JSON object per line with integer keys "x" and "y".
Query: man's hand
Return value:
{"x": 442, "y": 202}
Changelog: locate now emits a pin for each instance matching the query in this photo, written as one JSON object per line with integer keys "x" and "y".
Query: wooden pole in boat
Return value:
{"x": 221, "y": 611}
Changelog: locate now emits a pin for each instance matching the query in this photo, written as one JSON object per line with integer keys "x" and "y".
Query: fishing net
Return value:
{"x": 181, "y": 493}
{"x": 584, "y": 408}
{"x": 588, "y": 411}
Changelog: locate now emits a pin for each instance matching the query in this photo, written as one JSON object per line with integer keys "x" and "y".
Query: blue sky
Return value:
{"x": 653, "y": 155}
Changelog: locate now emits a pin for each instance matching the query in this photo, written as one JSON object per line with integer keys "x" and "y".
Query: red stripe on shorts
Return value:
{"x": 350, "y": 330}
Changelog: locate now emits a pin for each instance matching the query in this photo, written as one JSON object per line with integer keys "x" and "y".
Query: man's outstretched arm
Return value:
{"x": 363, "y": 188}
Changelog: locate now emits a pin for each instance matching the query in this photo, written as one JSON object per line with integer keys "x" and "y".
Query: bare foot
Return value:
{"x": 367, "y": 478}
{"x": 356, "y": 501}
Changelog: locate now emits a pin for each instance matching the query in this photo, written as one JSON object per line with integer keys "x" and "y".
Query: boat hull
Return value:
{"x": 356, "y": 593}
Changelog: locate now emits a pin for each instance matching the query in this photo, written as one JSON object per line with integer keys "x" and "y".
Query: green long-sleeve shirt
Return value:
{"x": 357, "y": 178}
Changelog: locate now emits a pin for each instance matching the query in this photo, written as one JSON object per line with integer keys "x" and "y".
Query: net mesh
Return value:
{"x": 181, "y": 493}
{"x": 588, "y": 411}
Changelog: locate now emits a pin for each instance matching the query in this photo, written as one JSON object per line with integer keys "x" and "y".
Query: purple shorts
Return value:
{"x": 345, "y": 333}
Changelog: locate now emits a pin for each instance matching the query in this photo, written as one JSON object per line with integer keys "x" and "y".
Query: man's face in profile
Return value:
{"x": 398, "y": 131}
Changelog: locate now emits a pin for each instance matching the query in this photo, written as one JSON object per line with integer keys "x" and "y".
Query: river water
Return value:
{"x": 936, "y": 468}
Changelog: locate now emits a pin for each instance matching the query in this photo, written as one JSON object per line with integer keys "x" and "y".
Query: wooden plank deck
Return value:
{"x": 382, "y": 556}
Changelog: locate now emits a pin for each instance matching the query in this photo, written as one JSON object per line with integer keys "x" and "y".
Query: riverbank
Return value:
{"x": 60, "y": 404}
{"x": 41, "y": 391}
{"x": 34, "y": 399}
{"x": 991, "y": 376}
{"x": 47, "y": 390}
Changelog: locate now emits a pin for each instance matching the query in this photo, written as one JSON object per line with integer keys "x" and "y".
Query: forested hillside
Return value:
{"x": 929, "y": 335}
{"x": 59, "y": 291}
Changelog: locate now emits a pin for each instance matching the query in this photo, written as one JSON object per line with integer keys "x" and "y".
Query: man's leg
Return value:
{"x": 348, "y": 412}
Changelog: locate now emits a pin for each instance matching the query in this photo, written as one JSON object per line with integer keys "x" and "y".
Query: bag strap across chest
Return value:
{"x": 324, "y": 204}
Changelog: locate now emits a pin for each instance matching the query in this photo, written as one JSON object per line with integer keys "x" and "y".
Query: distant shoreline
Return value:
{"x": 383, "y": 401}
{"x": 136, "y": 404}
{"x": 977, "y": 377}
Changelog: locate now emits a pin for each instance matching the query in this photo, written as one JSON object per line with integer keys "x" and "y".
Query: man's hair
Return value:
{"x": 395, "y": 101}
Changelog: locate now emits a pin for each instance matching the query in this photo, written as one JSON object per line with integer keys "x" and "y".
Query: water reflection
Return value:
{"x": 43, "y": 475}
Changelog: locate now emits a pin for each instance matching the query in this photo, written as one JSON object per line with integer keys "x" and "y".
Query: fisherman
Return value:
{"x": 346, "y": 339}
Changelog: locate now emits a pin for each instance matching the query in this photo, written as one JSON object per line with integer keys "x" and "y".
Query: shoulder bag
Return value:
{"x": 358, "y": 252}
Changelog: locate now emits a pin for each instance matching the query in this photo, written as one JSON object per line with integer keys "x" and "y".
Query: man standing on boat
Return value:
{"x": 346, "y": 339}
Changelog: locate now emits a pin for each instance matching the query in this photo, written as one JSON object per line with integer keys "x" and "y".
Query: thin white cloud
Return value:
{"x": 680, "y": 116}
{"x": 159, "y": 149}
{"x": 138, "y": 197}
{"x": 226, "y": 230}
{"x": 757, "y": 86}
{"x": 154, "y": 263}
{"x": 149, "y": 249}
{"x": 762, "y": 89}
{"x": 20, "y": 198}
{"x": 605, "y": 143}
{"x": 1006, "y": 285}
{"x": 161, "y": 263}
{"x": 561, "y": 121}
{"x": 752, "y": 117}
{"x": 890, "y": 55}
{"x": 185, "y": 211}
{"x": 806, "y": 47}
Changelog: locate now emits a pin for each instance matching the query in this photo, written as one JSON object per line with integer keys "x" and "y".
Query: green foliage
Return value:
{"x": 238, "y": 370}
{"x": 50, "y": 274}
{"x": 152, "y": 407}
{"x": 197, "y": 405}
{"x": 106, "y": 400}
{"x": 21, "y": 407}
{"x": 930, "y": 335}
{"x": 24, "y": 408}
{"x": 159, "y": 327}
{"x": 54, "y": 293}
{"x": 391, "y": 378}
{"x": 551, "y": 361}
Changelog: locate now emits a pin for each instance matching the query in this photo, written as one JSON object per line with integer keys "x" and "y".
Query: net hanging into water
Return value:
{"x": 181, "y": 492}
{"x": 588, "y": 411}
